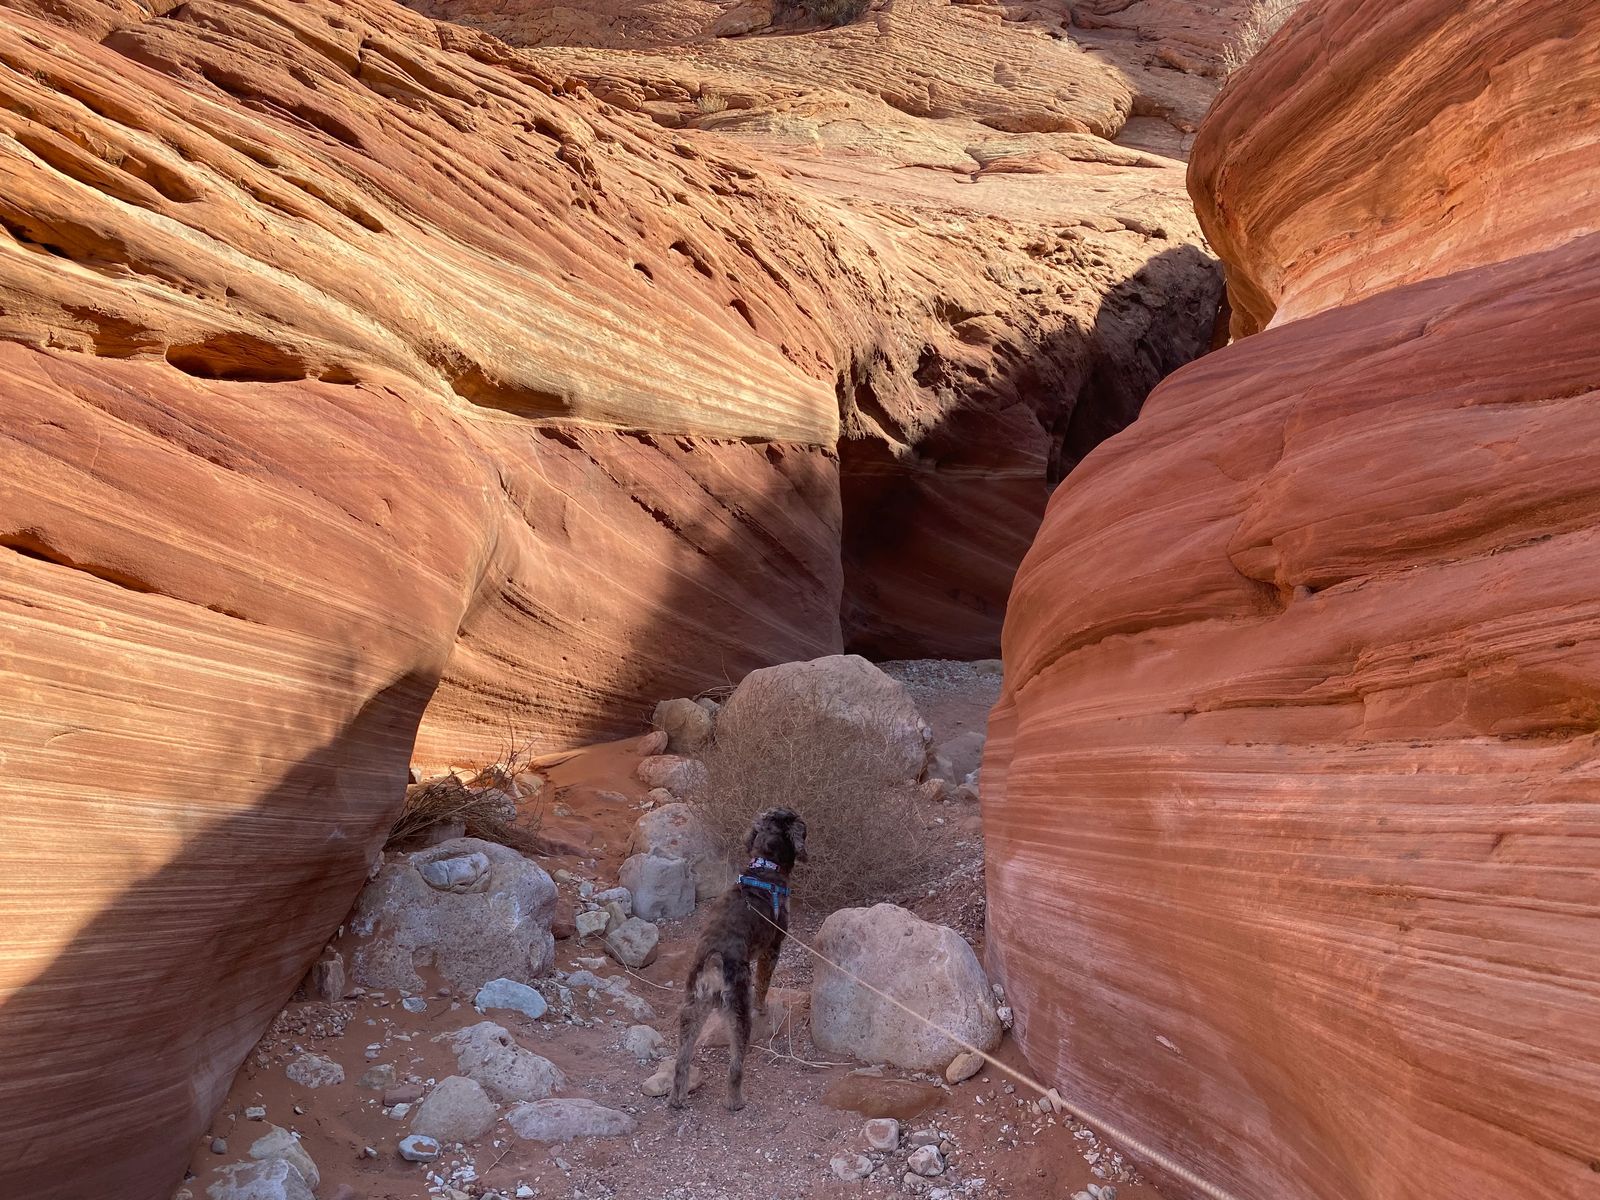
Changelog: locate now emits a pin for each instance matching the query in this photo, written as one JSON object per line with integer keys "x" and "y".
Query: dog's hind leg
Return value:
{"x": 704, "y": 993}
{"x": 737, "y": 998}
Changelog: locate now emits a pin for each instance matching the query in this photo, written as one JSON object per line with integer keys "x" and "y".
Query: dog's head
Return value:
{"x": 780, "y": 835}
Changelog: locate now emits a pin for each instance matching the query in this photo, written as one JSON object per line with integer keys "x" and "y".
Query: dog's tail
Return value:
{"x": 712, "y": 980}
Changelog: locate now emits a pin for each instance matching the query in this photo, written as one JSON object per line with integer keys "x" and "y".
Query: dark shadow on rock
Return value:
{"x": 115, "y": 1057}
{"x": 933, "y": 534}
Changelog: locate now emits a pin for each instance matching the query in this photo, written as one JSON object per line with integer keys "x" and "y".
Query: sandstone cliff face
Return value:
{"x": 356, "y": 364}
{"x": 1290, "y": 798}
{"x": 1035, "y": 334}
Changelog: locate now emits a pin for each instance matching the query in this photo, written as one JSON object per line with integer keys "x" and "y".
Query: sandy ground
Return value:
{"x": 801, "y": 1110}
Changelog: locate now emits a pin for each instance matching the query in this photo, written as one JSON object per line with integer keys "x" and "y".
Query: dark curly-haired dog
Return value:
{"x": 748, "y": 922}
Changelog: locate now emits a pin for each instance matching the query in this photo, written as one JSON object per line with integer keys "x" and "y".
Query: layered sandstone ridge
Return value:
{"x": 1291, "y": 800}
{"x": 973, "y": 122}
{"x": 356, "y": 364}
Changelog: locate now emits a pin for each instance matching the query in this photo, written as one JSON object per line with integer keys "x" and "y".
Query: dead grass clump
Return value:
{"x": 710, "y": 102}
{"x": 863, "y": 834}
{"x": 828, "y": 14}
{"x": 488, "y": 813}
{"x": 486, "y": 805}
{"x": 1263, "y": 19}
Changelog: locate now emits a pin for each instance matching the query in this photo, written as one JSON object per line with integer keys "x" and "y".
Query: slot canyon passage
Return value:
{"x": 550, "y": 414}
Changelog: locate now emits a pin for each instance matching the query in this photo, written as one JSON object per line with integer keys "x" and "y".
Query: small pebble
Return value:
{"x": 414, "y": 1004}
{"x": 219, "y": 1145}
{"x": 256, "y": 1112}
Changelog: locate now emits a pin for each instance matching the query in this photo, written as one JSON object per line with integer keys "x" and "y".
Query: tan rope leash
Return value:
{"x": 1139, "y": 1148}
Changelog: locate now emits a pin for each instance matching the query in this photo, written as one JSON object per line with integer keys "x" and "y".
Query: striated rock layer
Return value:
{"x": 1292, "y": 798}
{"x": 355, "y": 364}
{"x": 1056, "y": 275}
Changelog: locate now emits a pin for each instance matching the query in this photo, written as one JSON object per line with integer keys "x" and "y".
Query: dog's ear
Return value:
{"x": 797, "y": 838}
{"x": 760, "y": 830}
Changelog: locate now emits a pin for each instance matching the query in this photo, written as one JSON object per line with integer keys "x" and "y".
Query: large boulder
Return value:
{"x": 926, "y": 967}
{"x": 472, "y": 910}
{"x": 688, "y": 725}
{"x": 1290, "y": 801}
{"x": 840, "y": 695}
{"x": 675, "y": 831}
{"x": 509, "y": 1073}
{"x": 660, "y": 886}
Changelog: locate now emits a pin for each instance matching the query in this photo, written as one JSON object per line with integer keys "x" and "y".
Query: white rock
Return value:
{"x": 926, "y": 967}
{"x": 314, "y": 1071}
{"x": 562, "y": 1120}
{"x": 653, "y": 743}
{"x": 588, "y": 924}
{"x": 660, "y": 1083}
{"x": 498, "y": 926}
{"x": 618, "y": 895}
{"x": 633, "y": 943}
{"x": 851, "y": 1167}
{"x": 271, "y": 1179}
{"x": 882, "y": 1133}
{"x": 280, "y": 1143}
{"x": 456, "y": 1110}
{"x": 488, "y": 1053}
{"x": 839, "y": 687}
{"x": 458, "y": 873}
{"x": 615, "y": 914}
{"x": 644, "y": 1043}
{"x": 674, "y": 831}
{"x": 419, "y": 1148}
{"x": 508, "y": 993}
{"x": 256, "y": 1112}
{"x": 662, "y": 887}
{"x": 926, "y": 1161}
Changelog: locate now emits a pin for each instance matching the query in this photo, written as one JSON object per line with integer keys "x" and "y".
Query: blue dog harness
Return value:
{"x": 777, "y": 891}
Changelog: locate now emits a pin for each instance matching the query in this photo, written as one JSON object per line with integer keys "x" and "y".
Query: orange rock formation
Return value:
{"x": 1290, "y": 798}
{"x": 356, "y": 364}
